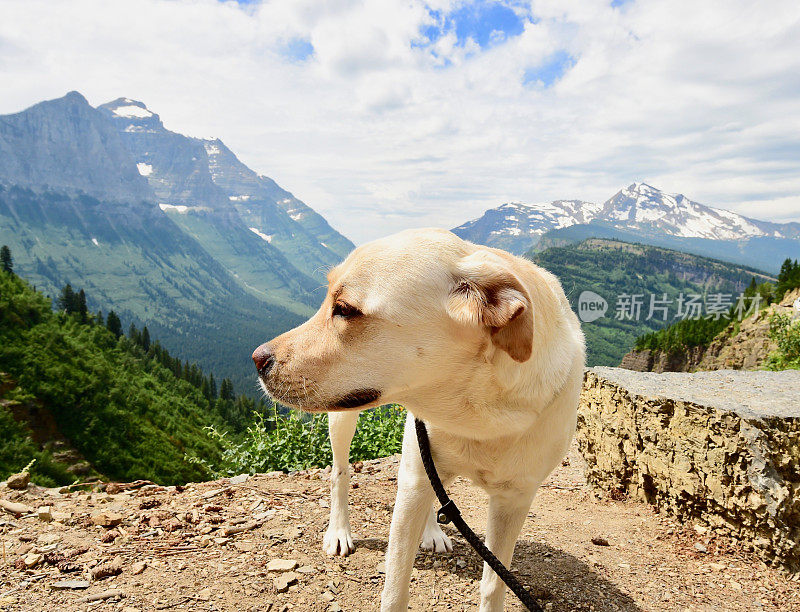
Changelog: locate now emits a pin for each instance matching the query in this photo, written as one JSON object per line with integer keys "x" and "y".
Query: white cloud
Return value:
{"x": 379, "y": 133}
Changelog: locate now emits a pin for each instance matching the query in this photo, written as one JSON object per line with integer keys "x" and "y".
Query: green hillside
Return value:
{"x": 614, "y": 269}
{"x": 124, "y": 404}
{"x": 132, "y": 258}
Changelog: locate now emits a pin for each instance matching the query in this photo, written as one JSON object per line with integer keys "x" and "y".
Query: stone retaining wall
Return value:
{"x": 722, "y": 447}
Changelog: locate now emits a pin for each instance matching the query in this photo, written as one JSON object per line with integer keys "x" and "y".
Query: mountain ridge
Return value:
{"x": 640, "y": 209}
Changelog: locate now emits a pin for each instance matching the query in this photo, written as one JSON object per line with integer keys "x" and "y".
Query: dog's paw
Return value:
{"x": 436, "y": 540}
{"x": 338, "y": 542}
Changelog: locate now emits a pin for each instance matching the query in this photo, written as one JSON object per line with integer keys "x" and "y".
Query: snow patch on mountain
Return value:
{"x": 180, "y": 208}
{"x": 131, "y": 111}
{"x": 145, "y": 169}
{"x": 260, "y": 234}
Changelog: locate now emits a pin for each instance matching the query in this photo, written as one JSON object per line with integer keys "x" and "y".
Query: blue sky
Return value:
{"x": 486, "y": 23}
{"x": 388, "y": 114}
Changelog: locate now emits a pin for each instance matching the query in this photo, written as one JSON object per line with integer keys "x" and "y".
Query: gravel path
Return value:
{"x": 746, "y": 393}
{"x": 172, "y": 552}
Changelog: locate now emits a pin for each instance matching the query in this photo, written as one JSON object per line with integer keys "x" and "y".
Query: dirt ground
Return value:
{"x": 162, "y": 548}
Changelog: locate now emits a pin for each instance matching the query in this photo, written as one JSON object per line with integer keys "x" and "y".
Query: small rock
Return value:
{"x": 63, "y": 585}
{"x": 240, "y": 479}
{"x": 700, "y": 548}
{"x": 204, "y": 595}
{"x": 19, "y": 481}
{"x": 106, "y": 518}
{"x": 45, "y": 514}
{"x": 335, "y": 607}
{"x": 307, "y": 569}
{"x": 138, "y": 567}
{"x": 275, "y": 474}
{"x": 284, "y": 581}
{"x": 600, "y": 541}
{"x": 31, "y": 560}
{"x": 328, "y": 596}
{"x": 281, "y": 565}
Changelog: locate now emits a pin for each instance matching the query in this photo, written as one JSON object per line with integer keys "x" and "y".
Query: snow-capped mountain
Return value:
{"x": 241, "y": 217}
{"x": 514, "y": 226}
{"x": 638, "y": 209}
{"x": 643, "y": 207}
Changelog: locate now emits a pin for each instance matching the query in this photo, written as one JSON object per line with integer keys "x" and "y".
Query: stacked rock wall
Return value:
{"x": 722, "y": 447}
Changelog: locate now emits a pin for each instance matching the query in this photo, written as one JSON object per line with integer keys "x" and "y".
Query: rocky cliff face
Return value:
{"x": 721, "y": 447}
{"x": 66, "y": 145}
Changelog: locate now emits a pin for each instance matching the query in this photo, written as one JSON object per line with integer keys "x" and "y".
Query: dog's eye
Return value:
{"x": 344, "y": 310}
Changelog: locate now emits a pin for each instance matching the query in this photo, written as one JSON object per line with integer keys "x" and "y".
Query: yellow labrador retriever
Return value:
{"x": 481, "y": 345}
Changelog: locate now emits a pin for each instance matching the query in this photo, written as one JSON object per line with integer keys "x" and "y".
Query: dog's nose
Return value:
{"x": 264, "y": 359}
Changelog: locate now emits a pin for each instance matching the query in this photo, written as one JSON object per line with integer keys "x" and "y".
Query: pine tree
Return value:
{"x": 67, "y": 301}
{"x": 99, "y": 318}
{"x": 226, "y": 390}
{"x": 752, "y": 288}
{"x": 82, "y": 310}
{"x": 212, "y": 385}
{"x": 5, "y": 259}
{"x": 145, "y": 339}
{"x": 134, "y": 335}
{"x": 788, "y": 278}
{"x": 113, "y": 324}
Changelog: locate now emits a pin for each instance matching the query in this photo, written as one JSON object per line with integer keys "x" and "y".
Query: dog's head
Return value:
{"x": 413, "y": 311}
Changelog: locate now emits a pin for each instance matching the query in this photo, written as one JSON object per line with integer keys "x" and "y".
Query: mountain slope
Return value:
{"x": 273, "y": 242}
{"x": 125, "y": 251}
{"x": 128, "y": 415}
{"x": 268, "y": 210}
{"x": 179, "y": 170}
{"x": 613, "y": 270}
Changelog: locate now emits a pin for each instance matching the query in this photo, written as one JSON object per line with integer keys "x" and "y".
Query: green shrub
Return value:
{"x": 293, "y": 441}
{"x": 787, "y": 335}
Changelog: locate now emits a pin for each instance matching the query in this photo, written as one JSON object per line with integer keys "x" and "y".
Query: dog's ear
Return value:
{"x": 486, "y": 292}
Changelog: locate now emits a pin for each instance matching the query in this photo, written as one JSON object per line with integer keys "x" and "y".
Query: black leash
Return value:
{"x": 449, "y": 512}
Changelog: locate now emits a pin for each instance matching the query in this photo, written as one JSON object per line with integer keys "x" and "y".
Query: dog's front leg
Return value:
{"x": 507, "y": 514}
{"x": 338, "y": 539}
{"x": 411, "y": 510}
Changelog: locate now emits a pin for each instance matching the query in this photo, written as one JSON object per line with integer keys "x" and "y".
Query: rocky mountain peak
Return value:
{"x": 65, "y": 145}
{"x": 131, "y": 115}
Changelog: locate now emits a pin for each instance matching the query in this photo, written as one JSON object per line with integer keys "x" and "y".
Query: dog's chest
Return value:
{"x": 493, "y": 466}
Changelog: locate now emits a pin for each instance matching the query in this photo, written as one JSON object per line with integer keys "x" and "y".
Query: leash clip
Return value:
{"x": 447, "y": 513}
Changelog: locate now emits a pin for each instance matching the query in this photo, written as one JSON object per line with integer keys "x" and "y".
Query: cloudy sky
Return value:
{"x": 390, "y": 114}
